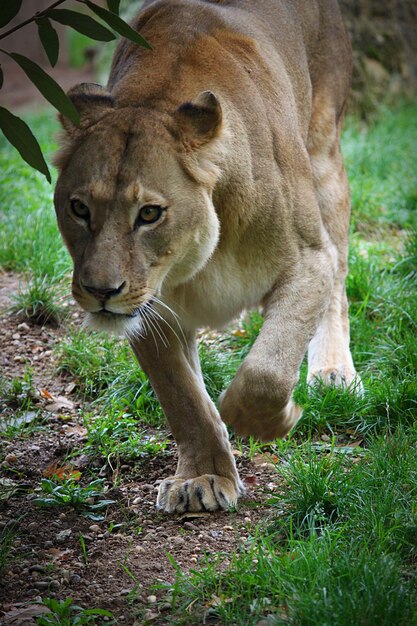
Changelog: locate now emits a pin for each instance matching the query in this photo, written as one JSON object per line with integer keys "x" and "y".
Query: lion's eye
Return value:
{"x": 80, "y": 209}
{"x": 149, "y": 214}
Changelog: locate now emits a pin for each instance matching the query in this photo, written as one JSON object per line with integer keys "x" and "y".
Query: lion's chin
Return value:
{"x": 115, "y": 324}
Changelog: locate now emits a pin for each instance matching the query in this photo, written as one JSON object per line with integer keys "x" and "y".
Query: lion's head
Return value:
{"x": 133, "y": 200}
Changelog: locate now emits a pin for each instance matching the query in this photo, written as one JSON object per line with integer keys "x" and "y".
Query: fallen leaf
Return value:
{"x": 18, "y": 420}
{"x": 250, "y": 480}
{"x": 60, "y": 402}
{"x": 59, "y": 555}
{"x": 64, "y": 472}
{"x": 356, "y": 444}
{"x": 23, "y": 615}
{"x": 45, "y": 394}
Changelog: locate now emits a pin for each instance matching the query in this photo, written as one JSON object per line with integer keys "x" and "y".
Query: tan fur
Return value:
{"x": 232, "y": 125}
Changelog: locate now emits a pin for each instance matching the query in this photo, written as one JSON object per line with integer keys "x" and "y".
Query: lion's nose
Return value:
{"x": 104, "y": 293}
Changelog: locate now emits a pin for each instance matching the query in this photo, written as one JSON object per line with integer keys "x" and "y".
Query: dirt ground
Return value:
{"x": 120, "y": 568}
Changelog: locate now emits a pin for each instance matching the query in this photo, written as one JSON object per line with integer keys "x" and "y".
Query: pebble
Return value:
{"x": 66, "y": 575}
{"x": 41, "y": 584}
{"x": 55, "y": 585}
{"x": 36, "y": 568}
{"x": 75, "y": 579}
{"x": 62, "y": 536}
{"x": 149, "y": 616}
{"x": 179, "y": 541}
{"x": 151, "y": 599}
{"x": 190, "y": 526}
{"x": 95, "y": 528}
{"x": 125, "y": 592}
{"x": 10, "y": 458}
{"x": 48, "y": 544}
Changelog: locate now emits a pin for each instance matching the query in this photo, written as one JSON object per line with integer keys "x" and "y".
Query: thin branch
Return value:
{"x": 37, "y": 15}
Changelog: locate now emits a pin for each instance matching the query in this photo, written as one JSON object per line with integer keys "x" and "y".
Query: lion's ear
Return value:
{"x": 199, "y": 121}
{"x": 92, "y": 102}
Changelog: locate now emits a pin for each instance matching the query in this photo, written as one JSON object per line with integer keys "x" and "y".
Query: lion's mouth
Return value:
{"x": 106, "y": 314}
{"x": 119, "y": 324}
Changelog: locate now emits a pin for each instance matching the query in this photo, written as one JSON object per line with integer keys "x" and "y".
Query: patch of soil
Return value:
{"x": 127, "y": 553}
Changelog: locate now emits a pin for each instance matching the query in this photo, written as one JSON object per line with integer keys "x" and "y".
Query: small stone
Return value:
{"x": 325, "y": 437}
{"x": 55, "y": 585}
{"x": 190, "y": 526}
{"x": 179, "y": 541}
{"x": 151, "y": 599}
{"x": 23, "y": 326}
{"x": 137, "y": 500}
{"x": 16, "y": 335}
{"x": 10, "y": 458}
{"x": 63, "y": 535}
{"x": 48, "y": 544}
{"x": 42, "y": 585}
{"x": 149, "y": 616}
{"x": 125, "y": 592}
{"x": 75, "y": 579}
{"x": 36, "y": 568}
{"x": 95, "y": 528}
{"x": 227, "y": 527}
{"x": 66, "y": 575}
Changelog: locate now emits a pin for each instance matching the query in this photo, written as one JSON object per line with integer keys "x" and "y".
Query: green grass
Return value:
{"x": 66, "y": 613}
{"x": 340, "y": 544}
{"x": 89, "y": 500}
{"x": 341, "y": 548}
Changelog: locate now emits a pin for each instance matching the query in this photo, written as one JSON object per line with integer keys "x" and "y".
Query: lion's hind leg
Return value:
{"x": 329, "y": 356}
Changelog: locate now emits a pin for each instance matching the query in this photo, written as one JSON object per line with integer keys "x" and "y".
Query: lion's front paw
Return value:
{"x": 203, "y": 493}
{"x": 338, "y": 376}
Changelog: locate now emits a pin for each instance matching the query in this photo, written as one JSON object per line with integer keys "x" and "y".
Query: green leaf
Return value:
{"x": 1, "y": 77}
{"x": 119, "y": 25}
{"x": 98, "y": 612}
{"x": 83, "y": 23}
{"x": 49, "y": 39}
{"x": 47, "y": 86}
{"x": 8, "y": 9}
{"x": 114, "y": 6}
{"x": 18, "y": 133}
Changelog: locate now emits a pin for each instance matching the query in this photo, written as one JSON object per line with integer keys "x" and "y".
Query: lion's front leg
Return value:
{"x": 206, "y": 478}
{"x": 258, "y": 402}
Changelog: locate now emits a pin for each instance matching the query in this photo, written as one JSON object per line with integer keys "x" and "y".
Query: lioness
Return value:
{"x": 205, "y": 179}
